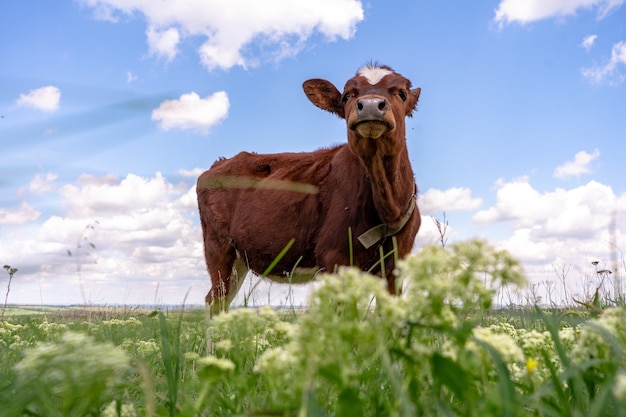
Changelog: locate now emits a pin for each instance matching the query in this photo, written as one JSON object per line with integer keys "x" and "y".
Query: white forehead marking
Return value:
{"x": 374, "y": 74}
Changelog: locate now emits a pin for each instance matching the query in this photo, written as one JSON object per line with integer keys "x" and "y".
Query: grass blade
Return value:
{"x": 279, "y": 257}
{"x": 170, "y": 356}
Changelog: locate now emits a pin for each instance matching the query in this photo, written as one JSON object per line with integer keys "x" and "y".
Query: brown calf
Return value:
{"x": 252, "y": 206}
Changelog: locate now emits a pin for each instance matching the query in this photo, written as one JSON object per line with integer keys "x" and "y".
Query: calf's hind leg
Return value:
{"x": 225, "y": 280}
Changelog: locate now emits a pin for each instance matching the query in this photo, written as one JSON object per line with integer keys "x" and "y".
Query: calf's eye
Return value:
{"x": 346, "y": 97}
{"x": 402, "y": 95}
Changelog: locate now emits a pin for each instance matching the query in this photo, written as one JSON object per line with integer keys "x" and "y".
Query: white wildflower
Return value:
{"x": 52, "y": 328}
{"x": 75, "y": 367}
{"x": 223, "y": 345}
{"x": 568, "y": 335}
{"x": 534, "y": 342}
{"x": 598, "y": 337}
{"x": 502, "y": 342}
{"x": 276, "y": 360}
{"x": 147, "y": 347}
{"x": 131, "y": 321}
{"x": 191, "y": 356}
{"x": 127, "y": 410}
{"x": 212, "y": 367}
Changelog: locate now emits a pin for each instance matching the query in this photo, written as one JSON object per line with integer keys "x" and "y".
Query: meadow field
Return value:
{"x": 441, "y": 349}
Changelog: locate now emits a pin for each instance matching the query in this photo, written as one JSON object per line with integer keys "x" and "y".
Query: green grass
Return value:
{"x": 440, "y": 350}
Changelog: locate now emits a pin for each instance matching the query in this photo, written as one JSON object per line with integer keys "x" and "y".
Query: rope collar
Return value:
{"x": 380, "y": 232}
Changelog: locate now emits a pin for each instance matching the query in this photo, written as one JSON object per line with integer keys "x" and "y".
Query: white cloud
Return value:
{"x": 577, "y": 167}
{"x": 577, "y": 212}
{"x": 191, "y": 173}
{"x": 130, "y": 77}
{"x": 145, "y": 235}
{"x": 514, "y": 200}
{"x": 526, "y": 11}
{"x": 614, "y": 71}
{"x": 279, "y": 27}
{"x": 45, "y": 98}
{"x": 189, "y": 200}
{"x": 25, "y": 214}
{"x": 40, "y": 185}
{"x": 107, "y": 196}
{"x": 560, "y": 267}
{"x": 588, "y": 42}
{"x": 191, "y": 112}
{"x": 526, "y": 248}
{"x": 453, "y": 199}
{"x": 163, "y": 43}
{"x": 555, "y": 231}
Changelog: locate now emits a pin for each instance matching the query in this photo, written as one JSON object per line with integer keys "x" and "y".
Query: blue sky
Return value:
{"x": 111, "y": 108}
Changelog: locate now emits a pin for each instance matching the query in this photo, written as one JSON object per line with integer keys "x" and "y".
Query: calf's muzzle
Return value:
{"x": 371, "y": 109}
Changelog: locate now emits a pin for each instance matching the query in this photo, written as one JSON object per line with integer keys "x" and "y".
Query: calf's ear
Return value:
{"x": 411, "y": 102}
{"x": 324, "y": 95}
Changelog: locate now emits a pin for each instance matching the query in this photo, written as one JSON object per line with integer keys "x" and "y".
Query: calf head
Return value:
{"x": 374, "y": 104}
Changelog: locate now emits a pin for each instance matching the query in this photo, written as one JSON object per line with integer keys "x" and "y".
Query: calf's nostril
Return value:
{"x": 371, "y": 107}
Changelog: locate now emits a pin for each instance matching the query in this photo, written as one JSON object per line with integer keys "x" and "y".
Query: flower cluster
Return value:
{"x": 52, "y": 329}
{"x": 10, "y": 335}
{"x": 246, "y": 333}
{"x": 444, "y": 284}
{"x": 141, "y": 348}
{"x": 603, "y": 338}
{"x": 127, "y": 410}
{"x": 350, "y": 319}
{"x": 129, "y": 322}
{"x": 77, "y": 373}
